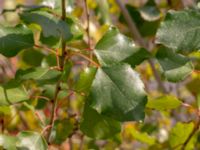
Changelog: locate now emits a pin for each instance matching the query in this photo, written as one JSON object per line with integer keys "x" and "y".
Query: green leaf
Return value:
{"x": 164, "y": 103}
{"x": 146, "y": 23}
{"x": 97, "y": 126}
{"x": 61, "y": 130}
{"x": 32, "y": 57}
{"x": 5, "y": 110}
{"x": 118, "y": 92}
{"x": 176, "y": 67}
{"x": 180, "y": 30}
{"x": 12, "y": 94}
{"x": 49, "y": 91}
{"x": 180, "y": 133}
{"x": 142, "y": 137}
{"x": 49, "y": 61}
{"x": 114, "y": 48}
{"x": 85, "y": 80}
{"x": 52, "y": 27}
{"x": 150, "y": 13}
{"x": 15, "y": 39}
{"x": 31, "y": 141}
{"x": 66, "y": 71}
{"x": 40, "y": 75}
{"x": 8, "y": 142}
{"x": 75, "y": 27}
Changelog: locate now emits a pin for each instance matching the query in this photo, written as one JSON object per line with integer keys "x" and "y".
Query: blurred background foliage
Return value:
{"x": 168, "y": 122}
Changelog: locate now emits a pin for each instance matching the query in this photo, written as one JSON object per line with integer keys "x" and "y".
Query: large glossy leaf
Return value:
{"x": 15, "y": 39}
{"x": 180, "y": 30}
{"x": 164, "y": 103}
{"x": 12, "y": 93}
{"x": 180, "y": 133}
{"x": 40, "y": 75}
{"x": 8, "y": 142}
{"x": 176, "y": 67}
{"x": 118, "y": 92}
{"x": 52, "y": 27}
{"x": 31, "y": 141}
{"x": 115, "y": 48}
{"x": 97, "y": 126}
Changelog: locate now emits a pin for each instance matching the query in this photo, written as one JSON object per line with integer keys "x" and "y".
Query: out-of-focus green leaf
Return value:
{"x": 31, "y": 141}
{"x": 8, "y": 142}
{"x": 97, "y": 126}
{"x": 176, "y": 67}
{"x": 193, "y": 85}
{"x": 147, "y": 23}
{"x": 180, "y": 30}
{"x": 61, "y": 130}
{"x": 85, "y": 80}
{"x": 15, "y": 39}
{"x": 40, "y": 75}
{"x": 5, "y": 110}
{"x": 103, "y": 11}
{"x": 75, "y": 28}
{"x": 164, "y": 103}
{"x": 49, "y": 91}
{"x": 142, "y": 137}
{"x": 114, "y": 48}
{"x": 32, "y": 57}
{"x": 49, "y": 61}
{"x": 150, "y": 13}
{"x": 118, "y": 92}
{"x": 180, "y": 133}
{"x": 66, "y": 71}
{"x": 12, "y": 93}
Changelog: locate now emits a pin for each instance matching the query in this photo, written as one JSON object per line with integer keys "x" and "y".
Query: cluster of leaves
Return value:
{"x": 96, "y": 98}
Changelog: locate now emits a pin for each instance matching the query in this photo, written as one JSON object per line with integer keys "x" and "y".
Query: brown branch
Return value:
{"x": 88, "y": 29}
{"x": 61, "y": 66}
{"x": 137, "y": 36}
{"x": 45, "y": 129}
{"x": 88, "y": 23}
{"x": 53, "y": 113}
{"x": 45, "y": 48}
{"x": 85, "y": 57}
{"x": 2, "y": 124}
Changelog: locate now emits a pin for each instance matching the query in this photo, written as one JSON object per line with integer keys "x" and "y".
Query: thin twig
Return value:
{"x": 85, "y": 57}
{"x": 45, "y": 129}
{"x": 88, "y": 22}
{"x": 41, "y": 97}
{"x": 45, "y": 48}
{"x": 88, "y": 29}
{"x": 39, "y": 118}
{"x": 24, "y": 121}
{"x": 137, "y": 36}
{"x": 53, "y": 113}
